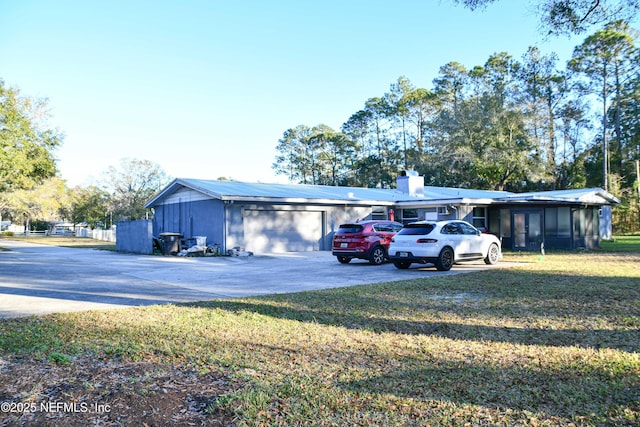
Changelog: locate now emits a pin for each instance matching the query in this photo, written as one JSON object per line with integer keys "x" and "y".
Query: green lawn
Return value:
{"x": 555, "y": 341}
{"x": 65, "y": 241}
{"x": 629, "y": 243}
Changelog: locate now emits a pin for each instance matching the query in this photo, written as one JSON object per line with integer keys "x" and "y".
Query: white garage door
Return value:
{"x": 282, "y": 231}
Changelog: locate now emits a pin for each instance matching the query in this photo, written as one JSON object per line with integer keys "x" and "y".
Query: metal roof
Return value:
{"x": 289, "y": 193}
{"x": 324, "y": 194}
{"x": 234, "y": 189}
{"x": 584, "y": 195}
{"x": 462, "y": 193}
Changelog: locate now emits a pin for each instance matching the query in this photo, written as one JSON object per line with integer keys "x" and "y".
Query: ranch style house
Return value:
{"x": 263, "y": 218}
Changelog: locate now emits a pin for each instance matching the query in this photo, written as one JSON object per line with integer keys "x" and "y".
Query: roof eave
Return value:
{"x": 172, "y": 186}
{"x": 302, "y": 200}
{"x": 161, "y": 194}
{"x": 440, "y": 202}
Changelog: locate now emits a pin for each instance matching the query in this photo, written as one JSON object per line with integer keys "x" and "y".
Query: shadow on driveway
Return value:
{"x": 39, "y": 279}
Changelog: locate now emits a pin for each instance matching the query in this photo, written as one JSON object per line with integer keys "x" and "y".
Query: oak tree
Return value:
{"x": 27, "y": 143}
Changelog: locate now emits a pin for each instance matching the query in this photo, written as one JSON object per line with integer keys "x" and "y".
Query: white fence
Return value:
{"x": 105, "y": 235}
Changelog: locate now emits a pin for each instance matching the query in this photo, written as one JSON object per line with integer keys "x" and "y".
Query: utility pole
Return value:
{"x": 605, "y": 143}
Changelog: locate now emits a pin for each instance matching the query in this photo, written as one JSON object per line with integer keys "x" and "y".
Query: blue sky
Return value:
{"x": 206, "y": 88}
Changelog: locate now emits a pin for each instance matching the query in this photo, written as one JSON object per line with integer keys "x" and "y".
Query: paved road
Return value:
{"x": 39, "y": 279}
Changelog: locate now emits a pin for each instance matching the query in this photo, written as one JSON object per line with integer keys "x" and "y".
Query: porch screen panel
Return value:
{"x": 578, "y": 223}
{"x": 520, "y": 230}
{"x": 551, "y": 222}
{"x": 505, "y": 223}
{"x": 535, "y": 234}
{"x": 588, "y": 223}
{"x": 564, "y": 222}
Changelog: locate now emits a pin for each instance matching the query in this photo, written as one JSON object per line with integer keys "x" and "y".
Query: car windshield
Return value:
{"x": 414, "y": 229}
{"x": 350, "y": 228}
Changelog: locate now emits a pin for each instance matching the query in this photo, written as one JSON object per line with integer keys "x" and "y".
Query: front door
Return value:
{"x": 527, "y": 230}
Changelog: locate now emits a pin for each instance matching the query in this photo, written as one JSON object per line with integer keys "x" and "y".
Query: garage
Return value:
{"x": 282, "y": 230}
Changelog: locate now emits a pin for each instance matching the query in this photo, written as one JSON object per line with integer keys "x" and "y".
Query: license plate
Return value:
{"x": 344, "y": 245}
{"x": 403, "y": 254}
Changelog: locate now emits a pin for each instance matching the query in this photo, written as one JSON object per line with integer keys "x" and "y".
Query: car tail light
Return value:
{"x": 427, "y": 241}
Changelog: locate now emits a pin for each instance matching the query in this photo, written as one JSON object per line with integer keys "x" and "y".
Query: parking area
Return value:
{"x": 39, "y": 279}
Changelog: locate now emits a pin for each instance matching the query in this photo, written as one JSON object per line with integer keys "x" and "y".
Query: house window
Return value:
{"x": 378, "y": 212}
{"x": 409, "y": 215}
{"x": 480, "y": 217}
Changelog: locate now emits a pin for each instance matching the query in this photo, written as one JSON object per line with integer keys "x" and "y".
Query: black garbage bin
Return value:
{"x": 170, "y": 243}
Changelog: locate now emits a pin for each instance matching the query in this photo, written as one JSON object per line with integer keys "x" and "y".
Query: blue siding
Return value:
{"x": 134, "y": 237}
{"x": 191, "y": 218}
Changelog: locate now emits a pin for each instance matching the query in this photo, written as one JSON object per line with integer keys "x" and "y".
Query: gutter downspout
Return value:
{"x": 223, "y": 246}
{"x": 225, "y": 228}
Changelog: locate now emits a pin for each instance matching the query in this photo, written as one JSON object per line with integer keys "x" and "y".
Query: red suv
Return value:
{"x": 364, "y": 240}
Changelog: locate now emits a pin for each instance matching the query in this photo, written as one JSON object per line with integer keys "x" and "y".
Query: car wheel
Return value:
{"x": 492, "y": 255}
{"x": 344, "y": 259}
{"x": 445, "y": 260}
{"x": 377, "y": 256}
{"x": 402, "y": 265}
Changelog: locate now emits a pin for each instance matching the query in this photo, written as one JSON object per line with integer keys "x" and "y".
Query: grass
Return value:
{"x": 65, "y": 241}
{"x": 555, "y": 341}
{"x": 628, "y": 243}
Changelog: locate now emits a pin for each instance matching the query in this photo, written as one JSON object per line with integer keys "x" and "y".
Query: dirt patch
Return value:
{"x": 85, "y": 391}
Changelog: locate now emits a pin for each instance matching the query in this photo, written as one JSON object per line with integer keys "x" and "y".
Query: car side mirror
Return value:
{"x": 478, "y": 232}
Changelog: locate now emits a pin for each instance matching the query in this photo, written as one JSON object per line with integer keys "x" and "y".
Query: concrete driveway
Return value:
{"x": 39, "y": 279}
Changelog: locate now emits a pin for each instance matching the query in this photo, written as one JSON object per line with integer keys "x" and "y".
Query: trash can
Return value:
{"x": 201, "y": 240}
{"x": 170, "y": 243}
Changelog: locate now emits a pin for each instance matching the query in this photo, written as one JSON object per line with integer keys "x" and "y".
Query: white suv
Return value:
{"x": 442, "y": 243}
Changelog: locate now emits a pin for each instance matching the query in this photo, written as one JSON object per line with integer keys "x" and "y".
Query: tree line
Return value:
{"x": 511, "y": 124}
